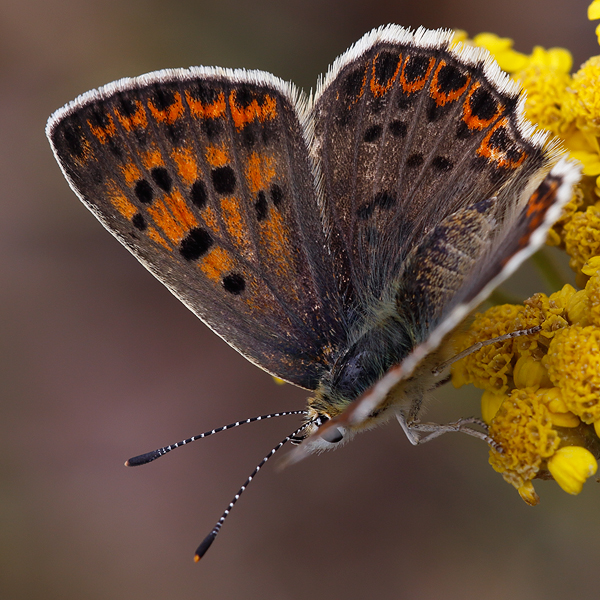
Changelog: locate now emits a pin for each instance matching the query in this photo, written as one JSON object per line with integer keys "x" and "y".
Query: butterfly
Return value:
{"x": 333, "y": 240}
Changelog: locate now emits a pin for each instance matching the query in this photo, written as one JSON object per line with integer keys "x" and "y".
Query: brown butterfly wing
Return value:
{"x": 204, "y": 175}
{"x": 408, "y": 132}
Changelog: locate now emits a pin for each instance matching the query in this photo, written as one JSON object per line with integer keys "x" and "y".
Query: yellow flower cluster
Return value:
{"x": 541, "y": 396}
{"x": 569, "y": 107}
{"x": 542, "y": 391}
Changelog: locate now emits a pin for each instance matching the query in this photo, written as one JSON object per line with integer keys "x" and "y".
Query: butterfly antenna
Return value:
{"x": 143, "y": 459}
{"x": 210, "y": 538}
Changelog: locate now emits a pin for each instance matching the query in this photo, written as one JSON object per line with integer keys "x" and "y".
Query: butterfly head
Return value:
{"x": 325, "y": 405}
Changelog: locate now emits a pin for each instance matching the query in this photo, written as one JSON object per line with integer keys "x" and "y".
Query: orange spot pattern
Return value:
{"x": 210, "y": 218}
{"x": 377, "y": 89}
{"x": 441, "y": 98}
{"x": 472, "y": 121}
{"x": 498, "y": 155}
{"x": 241, "y": 116}
{"x": 234, "y": 222}
{"x": 539, "y": 203}
{"x": 131, "y": 173}
{"x": 173, "y": 216}
{"x": 217, "y": 156}
{"x": 409, "y": 87}
{"x": 260, "y": 170}
{"x": 152, "y": 158}
{"x": 155, "y": 236}
{"x": 274, "y": 232}
{"x": 217, "y": 263}
{"x": 187, "y": 167}
{"x": 122, "y": 203}
{"x": 171, "y": 113}
{"x": 103, "y": 132}
{"x": 213, "y": 110}
{"x": 136, "y": 120}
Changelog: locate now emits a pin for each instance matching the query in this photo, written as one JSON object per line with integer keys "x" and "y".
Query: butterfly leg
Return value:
{"x": 419, "y": 433}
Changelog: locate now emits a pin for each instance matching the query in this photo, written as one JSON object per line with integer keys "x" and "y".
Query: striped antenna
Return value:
{"x": 210, "y": 538}
{"x": 143, "y": 459}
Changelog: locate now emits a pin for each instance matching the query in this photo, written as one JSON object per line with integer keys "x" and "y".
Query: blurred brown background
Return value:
{"x": 99, "y": 362}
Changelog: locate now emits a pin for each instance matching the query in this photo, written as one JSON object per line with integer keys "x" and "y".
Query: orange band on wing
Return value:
{"x": 135, "y": 120}
{"x": 417, "y": 84}
{"x": 213, "y": 110}
{"x": 171, "y": 113}
{"x": 242, "y": 115}
{"x": 103, "y": 132}
{"x": 442, "y": 98}
{"x": 377, "y": 89}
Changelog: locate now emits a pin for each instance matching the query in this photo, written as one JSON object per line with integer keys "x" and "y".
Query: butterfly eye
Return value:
{"x": 334, "y": 435}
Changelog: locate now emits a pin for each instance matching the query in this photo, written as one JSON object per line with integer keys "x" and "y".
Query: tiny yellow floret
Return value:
{"x": 528, "y": 494}
{"x": 571, "y": 466}
{"x": 560, "y": 415}
{"x": 529, "y": 372}
{"x": 591, "y": 266}
{"x": 490, "y": 403}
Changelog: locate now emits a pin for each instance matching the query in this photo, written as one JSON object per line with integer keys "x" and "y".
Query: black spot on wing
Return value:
{"x": 398, "y": 128}
{"x": 143, "y": 191}
{"x": 415, "y": 160}
{"x": 372, "y": 134}
{"x": 441, "y": 163}
{"x": 162, "y": 97}
{"x": 138, "y": 221}
{"x": 261, "y": 207}
{"x": 385, "y": 67}
{"x": 198, "y": 194}
{"x": 223, "y": 179}
{"x": 451, "y": 79}
{"x": 416, "y": 67}
{"x": 197, "y": 243}
{"x": 276, "y": 195}
{"x": 161, "y": 178}
{"x": 234, "y": 283}
{"x": 202, "y": 91}
{"x": 483, "y": 105}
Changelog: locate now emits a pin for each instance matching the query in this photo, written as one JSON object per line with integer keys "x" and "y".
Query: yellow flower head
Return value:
{"x": 541, "y": 396}
{"x": 573, "y": 364}
{"x": 491, "y": 366}
{"x": 547, "y": 95}
{"x": 523, "y": 429}
{"x": 582, "y": 237}
{"x": 585, "y": 106}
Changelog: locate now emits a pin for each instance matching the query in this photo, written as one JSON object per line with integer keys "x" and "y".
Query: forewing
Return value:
{"x": 408, "y": 131}
{"x": 204, "y": 175}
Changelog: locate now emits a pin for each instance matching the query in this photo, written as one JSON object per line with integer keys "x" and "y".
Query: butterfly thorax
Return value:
{"x": 379, "y": 346}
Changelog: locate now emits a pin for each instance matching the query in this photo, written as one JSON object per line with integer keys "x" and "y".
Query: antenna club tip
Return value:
{"x": 204, "y": 546}
{"x": 143, "y": 459}
{"x": 126, "y": 464}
